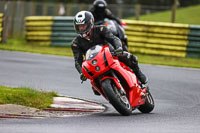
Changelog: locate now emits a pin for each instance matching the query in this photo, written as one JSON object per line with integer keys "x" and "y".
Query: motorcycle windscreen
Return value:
{"x": 92, "y": 52}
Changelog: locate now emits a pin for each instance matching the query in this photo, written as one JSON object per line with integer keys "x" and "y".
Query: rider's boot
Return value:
{"x": 141, "y": 77}
{"x": 132, "y": 62}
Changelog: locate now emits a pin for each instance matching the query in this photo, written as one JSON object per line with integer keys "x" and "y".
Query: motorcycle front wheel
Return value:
{"x": 116, "y": 97}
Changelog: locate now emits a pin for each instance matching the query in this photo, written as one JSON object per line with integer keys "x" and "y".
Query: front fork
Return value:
{"x": 116, "y": 81}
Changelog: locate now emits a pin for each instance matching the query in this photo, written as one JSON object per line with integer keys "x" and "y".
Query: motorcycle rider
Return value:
{"x": 91, "y": 35}
{"x": 100, "y": 11}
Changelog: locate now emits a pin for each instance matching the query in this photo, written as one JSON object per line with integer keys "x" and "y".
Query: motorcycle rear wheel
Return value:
{"x": 149, "y": 103}
{"x": 119, "y": 101}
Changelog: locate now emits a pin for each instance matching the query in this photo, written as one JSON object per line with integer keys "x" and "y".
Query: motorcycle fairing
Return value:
{"x": 136, "y": 96}
{"x": 102, "y": 58}
{"x": 134, "y": 93}
{"x": 127, "y": 75}
{"x": 114, "y": 79}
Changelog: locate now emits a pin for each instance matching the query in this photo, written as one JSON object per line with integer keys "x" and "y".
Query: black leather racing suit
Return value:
{"x": 101, "y": 15}
{"x": 99, "y": 35}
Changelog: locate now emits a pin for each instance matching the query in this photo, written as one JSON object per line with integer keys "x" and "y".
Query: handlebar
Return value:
{"x": 99, "y": 22}
{"x": 116, "y": 54}
{"x": 113, "y": 54}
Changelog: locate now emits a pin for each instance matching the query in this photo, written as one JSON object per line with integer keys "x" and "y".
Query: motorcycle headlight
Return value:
{"x": 94, "y": 62}
{"x": 97, "y": 68}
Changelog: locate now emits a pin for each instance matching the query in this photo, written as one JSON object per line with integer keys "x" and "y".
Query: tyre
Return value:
{"x": 118, "y": 99}
{"x": 149, "y": 103}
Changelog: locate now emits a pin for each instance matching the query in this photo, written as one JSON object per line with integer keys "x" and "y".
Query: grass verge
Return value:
{"x": 26, "y": 97}
{"x": 169, "y": 61}
{"x": 188, "y": 15}
{"x": 21, "y": 45}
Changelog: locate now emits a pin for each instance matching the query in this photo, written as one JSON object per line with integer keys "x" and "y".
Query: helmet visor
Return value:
{"x": 83, "y": 28}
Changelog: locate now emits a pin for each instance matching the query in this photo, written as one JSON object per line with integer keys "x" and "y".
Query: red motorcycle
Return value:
{"x": 116, "y": 82}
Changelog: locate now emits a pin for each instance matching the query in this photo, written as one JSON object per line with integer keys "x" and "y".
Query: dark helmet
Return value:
{"x": 83, "y": 23}
{"x": 99, "y": 5}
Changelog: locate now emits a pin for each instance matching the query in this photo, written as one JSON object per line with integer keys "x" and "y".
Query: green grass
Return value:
{"x": 21, "y": 45}
{"x": 26, "y": 97}
{"x": 169, "y": 61}
{"x": 188, "y": 15}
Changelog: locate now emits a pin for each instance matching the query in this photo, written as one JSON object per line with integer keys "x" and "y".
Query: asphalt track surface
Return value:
{"x": 176, "y": 92}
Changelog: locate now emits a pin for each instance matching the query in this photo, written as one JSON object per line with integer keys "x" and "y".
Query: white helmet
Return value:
{"x": 83, "y": 23}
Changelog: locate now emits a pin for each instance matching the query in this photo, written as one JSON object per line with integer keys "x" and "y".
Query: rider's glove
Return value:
{"x": 119, "y": 51}
{"x": 82, "y": 77}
